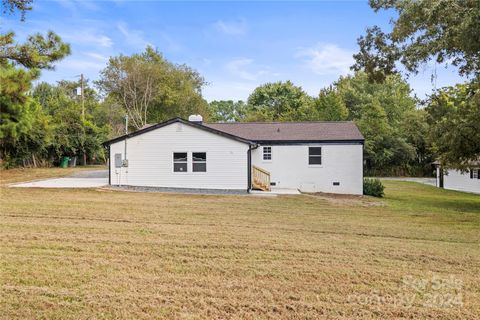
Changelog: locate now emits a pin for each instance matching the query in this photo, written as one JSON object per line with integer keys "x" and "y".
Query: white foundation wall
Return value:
{"x": 455, "y": 180}
{"x": 150, "y": 159}
{"x": 289, "y": 167}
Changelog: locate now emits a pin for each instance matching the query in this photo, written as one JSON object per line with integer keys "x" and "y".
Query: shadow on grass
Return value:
{"x": 413, "y": 196}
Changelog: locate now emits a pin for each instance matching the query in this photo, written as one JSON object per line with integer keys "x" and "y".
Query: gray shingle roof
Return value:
{"x": 254, "y": 132}
{"x": 291, "y": 131}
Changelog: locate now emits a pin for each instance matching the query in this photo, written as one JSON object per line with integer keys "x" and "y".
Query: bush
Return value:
{"x": 373, "y": 187}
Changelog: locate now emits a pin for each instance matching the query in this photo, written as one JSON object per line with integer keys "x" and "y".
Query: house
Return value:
{"x": 309, "y": 156}
{"x": 453, "y": 179}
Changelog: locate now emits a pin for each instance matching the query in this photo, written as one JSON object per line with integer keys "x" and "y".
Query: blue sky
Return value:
{"x": 236, "y": 46}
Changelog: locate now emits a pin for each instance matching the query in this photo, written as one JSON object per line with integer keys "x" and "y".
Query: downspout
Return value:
{"x": 249, "y": 160}
{"x": 109, "y": 166}
{"x": 249, "y": 171}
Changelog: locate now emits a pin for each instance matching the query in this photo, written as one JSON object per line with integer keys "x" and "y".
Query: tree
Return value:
{"x": 180, "y": 95}
{"x": 150, "y": 88}
{"x": 24, "y": 129}
{"x": 453, "y": 115}
{"x": 73, "y": 134}
{"x": 385, "y": 149}
{"x": 278, "y": 101}
{"x": 380, "y": 110}
{"x": 445, "y": 30}
{"x": 393, "y": 95}
{"x": 330, "y": 106}
{"x": 10, "y": 6}
{"x": 227, "y": 111}
{"x": 23, "y": 124}
{"x": 415, "y": 130}
{"x": 38, "y": 52}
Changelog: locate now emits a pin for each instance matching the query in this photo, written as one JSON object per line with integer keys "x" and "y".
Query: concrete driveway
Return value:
{"x": 83, "y": 179}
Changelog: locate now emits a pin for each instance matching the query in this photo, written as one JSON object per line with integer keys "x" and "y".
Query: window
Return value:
{"x": 315, "y": 155}
{"x": 267, "y": 153}
{"x": 474, "y": 173}
{"x": 180, "y": 162}
{"x": 199, "y": 162}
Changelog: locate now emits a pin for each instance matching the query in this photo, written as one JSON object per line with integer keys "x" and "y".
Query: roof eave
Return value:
{"x": 303, "y": 141}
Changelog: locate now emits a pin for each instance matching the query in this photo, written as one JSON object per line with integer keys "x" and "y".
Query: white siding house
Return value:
{"x": 453, "y": 179}
{"x": 311, "y": 157}
{"x": 340, "y": 169}
{"x": 151, "y": 159}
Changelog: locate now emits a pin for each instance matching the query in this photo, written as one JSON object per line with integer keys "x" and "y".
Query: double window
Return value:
{"x": 180, "y": 162}
{"x": 315, "y": 155}
{"x": 267, "y": 153}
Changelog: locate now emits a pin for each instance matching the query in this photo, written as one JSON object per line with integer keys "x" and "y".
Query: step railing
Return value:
{"x": 261, "y": 179}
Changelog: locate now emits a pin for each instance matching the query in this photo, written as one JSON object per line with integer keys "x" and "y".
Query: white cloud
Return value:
{"x": 326, "y": 59}
{"x": 134, "y": 38}
{"x": 170, "y": 43}
{"x": 79, "y": 64}
{"x": 223, "y": 89}
{"x": 231, "y": 27}
{"x": 242, "y": 68}
{"x": 74, "y": 5}
{"x": 96, "y": 56}
{"x": 86, "y": 36}
{"x": 238, "y": 67}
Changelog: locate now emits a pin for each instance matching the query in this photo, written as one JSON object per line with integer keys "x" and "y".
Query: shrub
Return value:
{"x": 373, "y": 187}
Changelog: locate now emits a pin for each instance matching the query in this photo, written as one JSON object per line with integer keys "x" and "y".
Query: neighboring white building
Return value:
{"x": 453, "y": 179}
{"x": 309, "y": 156}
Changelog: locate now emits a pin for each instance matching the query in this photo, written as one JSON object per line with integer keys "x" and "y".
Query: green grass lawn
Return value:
{"x": 101, "y": 254}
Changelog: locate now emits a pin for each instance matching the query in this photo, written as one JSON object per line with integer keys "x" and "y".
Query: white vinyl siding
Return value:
{"x": 456, "y": 180}
{"x": 341, "y": 169}
{"x": 150, "y": 159}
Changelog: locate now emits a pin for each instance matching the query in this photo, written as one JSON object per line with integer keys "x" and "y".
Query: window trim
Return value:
{"x": 206, "y": 159}
{"x": 315, "y": 165}
{"x": 268, "y": 153}
{"x": 173, "y": 162}
{"x": 475, "y": 173}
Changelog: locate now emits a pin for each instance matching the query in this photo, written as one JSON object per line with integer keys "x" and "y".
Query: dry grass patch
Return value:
{"x": 89, "y": 254}
{"x": 348, "y": 200}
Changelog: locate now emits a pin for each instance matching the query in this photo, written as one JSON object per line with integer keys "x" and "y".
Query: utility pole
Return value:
{"x": 125, "y": 159}
{"x": 82, "y": 94}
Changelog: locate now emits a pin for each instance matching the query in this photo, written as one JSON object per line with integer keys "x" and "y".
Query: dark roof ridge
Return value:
{"x": 275, "y": 122}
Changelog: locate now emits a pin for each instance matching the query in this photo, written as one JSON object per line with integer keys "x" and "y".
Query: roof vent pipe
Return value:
{"x": 195, "y": 118}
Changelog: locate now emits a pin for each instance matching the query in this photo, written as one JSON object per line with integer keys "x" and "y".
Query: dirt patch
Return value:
{"x": 348, "y": 199}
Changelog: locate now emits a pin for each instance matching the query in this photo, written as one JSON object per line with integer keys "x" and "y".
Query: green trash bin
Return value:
{"x": 64, "y": 162}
